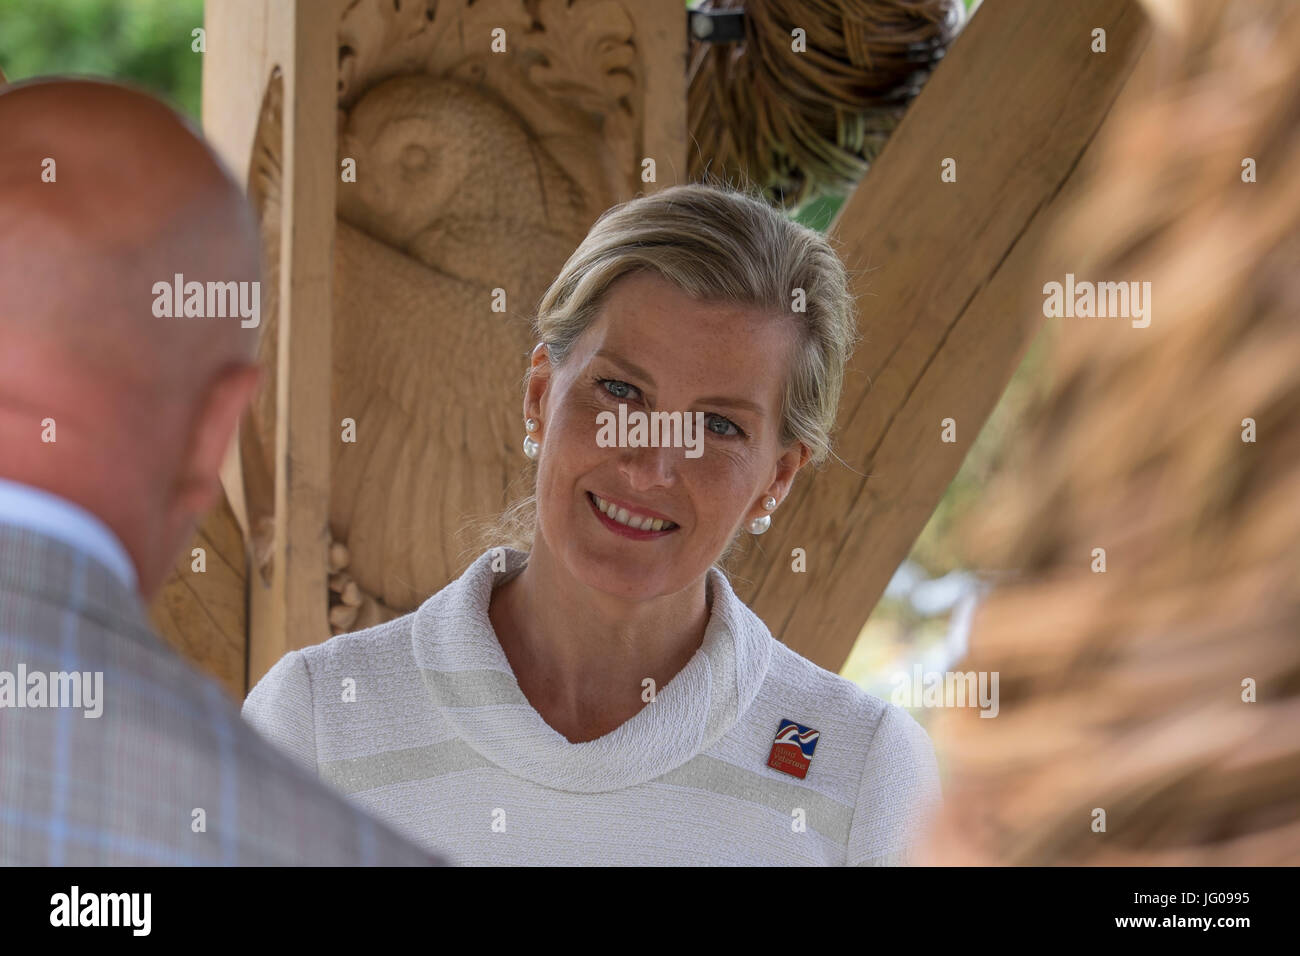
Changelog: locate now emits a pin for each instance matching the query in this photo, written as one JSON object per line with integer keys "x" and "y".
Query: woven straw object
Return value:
{"x": 804, "y": 124}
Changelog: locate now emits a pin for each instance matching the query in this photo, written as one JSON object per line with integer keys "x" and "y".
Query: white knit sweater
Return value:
{"x": 440, "y": 742}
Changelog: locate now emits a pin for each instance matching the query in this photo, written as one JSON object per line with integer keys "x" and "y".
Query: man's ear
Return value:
{"x": 220, "y": 408}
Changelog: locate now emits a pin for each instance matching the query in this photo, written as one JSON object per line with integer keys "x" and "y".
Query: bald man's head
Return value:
{"x": 104, "y": 193}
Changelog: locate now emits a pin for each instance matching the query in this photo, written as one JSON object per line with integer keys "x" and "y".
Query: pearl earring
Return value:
{"x": 531, "y": 447}
{"x": 762, "y": 522}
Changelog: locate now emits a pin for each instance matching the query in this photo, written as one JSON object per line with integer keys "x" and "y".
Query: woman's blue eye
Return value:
{"x": 616, "y": 384}
{"x": 735, "y": 429}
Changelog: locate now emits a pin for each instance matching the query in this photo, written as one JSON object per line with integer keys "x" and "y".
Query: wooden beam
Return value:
{"x": 247, "y": 40}
{"x": 948, "y": 283}
{"x": 660, "y": 31}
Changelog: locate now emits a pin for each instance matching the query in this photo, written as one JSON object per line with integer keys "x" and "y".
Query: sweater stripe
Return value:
{"x": 828, "y": 817}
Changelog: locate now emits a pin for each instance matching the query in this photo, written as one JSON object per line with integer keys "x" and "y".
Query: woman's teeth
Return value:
{"x": 622, "y": 516}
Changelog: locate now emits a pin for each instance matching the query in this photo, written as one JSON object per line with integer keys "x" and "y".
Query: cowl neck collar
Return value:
{"x": 470, "y": 682}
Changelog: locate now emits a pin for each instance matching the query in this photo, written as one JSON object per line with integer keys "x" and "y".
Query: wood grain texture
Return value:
{"x": 661, "y": 38}
{"x": 291, "y": 612}
{"x": 591, "y": 102}
{"x": 476, "y": 171}
{"x": 948, "y": 284}
{"x": 248, "y": 41}
{"x": 204, "y": 616}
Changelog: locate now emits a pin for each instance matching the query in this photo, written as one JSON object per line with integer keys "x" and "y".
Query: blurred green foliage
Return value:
{"x": 144, "y": 42}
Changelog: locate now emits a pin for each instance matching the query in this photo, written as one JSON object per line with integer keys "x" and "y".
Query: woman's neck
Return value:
{"x": 582, "y": 656}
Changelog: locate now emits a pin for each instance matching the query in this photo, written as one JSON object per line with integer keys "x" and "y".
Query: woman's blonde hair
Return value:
{"x": 1127, "y": 691}
{"x": 717, "y": 244}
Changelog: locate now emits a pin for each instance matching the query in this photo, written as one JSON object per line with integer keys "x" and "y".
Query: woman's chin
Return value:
{"x": 624, "y": 571}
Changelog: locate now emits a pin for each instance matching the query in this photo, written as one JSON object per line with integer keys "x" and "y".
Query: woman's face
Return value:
{"x": 658, "y": 350}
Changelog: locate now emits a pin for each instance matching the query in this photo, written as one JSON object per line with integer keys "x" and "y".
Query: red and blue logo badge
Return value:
{"x": 793, "y": 748}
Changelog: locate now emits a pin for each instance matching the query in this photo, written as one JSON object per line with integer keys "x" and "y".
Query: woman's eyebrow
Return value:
{"x": 630, "y": 366}
{"x": 741, "y": 403}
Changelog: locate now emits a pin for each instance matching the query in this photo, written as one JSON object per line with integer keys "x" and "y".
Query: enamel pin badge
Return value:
{"x": 793, "y": 748}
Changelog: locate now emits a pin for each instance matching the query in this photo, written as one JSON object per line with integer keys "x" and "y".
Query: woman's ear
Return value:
{"x": 787, "y": 466}
{"x": 539, "y": 377}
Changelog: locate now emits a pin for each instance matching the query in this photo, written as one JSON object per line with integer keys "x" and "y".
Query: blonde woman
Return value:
{"x": 591, "y": 690}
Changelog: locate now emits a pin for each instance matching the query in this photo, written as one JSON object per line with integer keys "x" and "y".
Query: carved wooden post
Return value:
{"x": 485, "y": 138}
{"x": 287, "y": 49}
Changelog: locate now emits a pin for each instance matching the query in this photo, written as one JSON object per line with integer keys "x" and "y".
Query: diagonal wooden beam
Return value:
{"x": 947, "y": 275}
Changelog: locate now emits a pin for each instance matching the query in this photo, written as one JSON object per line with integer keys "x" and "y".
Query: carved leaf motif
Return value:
{"x": 586, "y": 52}
{"x": 473, "y": 37}
{"x": 379, "y": 39}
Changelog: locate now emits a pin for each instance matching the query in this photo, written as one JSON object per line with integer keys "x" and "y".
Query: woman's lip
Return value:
{"x": 622, "y": 529}
{"x": 634, "y": 509}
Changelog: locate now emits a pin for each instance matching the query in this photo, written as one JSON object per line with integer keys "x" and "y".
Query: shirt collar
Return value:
{"x": 471, "y": 683}
{"x": 45, "y": 513}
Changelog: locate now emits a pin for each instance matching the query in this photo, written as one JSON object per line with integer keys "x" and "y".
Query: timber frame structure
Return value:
{"x": 945, "y": 274}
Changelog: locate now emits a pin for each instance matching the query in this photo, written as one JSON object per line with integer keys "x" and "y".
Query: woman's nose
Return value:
{"x": 650, "y": 466}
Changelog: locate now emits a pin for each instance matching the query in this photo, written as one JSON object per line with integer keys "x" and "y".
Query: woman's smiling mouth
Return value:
{"x": 627, "y": 523}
